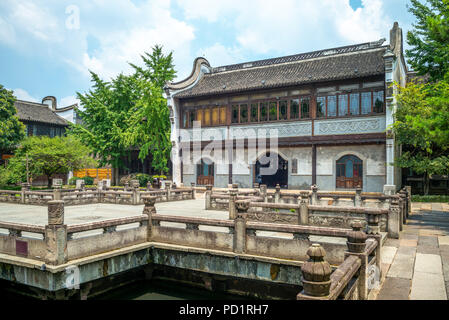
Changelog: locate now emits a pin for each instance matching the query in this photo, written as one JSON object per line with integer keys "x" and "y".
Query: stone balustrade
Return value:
{"x": 128, "y": 195}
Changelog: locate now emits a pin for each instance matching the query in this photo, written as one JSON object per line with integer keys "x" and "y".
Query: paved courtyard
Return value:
{"x": 416, "y": 266}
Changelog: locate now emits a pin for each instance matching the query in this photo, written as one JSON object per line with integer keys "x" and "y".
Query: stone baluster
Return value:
{"x": 149, "y": 209}
{"x": 126, "y": 186}
{"x": 57, "y": 193}
{"x": 277, "y": 194}
{"x": 373, "y": 231}
{"x": 56, "y": 234}
{"x": 304, "y": 208}
{"x": 208, "y": 197}
{"x": 316, "y": 274}
{"x": 314, "y": 198}
{"x": 240, "y": 226}
{"x": 356, "y": 242}
{"x": 148, "y": 185}
{"x": 25, "y": 188}
{"x": 394, "y": 218}
{"x": 409, "y": 200}
{"x": 358, "y": 197}
{"x": 404, "y": 207}
{"x": 233, "y": 192}
{"x": 192, "y": 184}
{"x": 168, "y": 186}
{"x": 263, "y": 192}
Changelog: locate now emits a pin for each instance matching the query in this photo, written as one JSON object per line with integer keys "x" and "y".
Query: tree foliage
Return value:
{"x": 429, "y": 39}
{"x": 129, "y": 112}
{"x": 12, "y": 131}
{"x": 422, "y": 127}
{"x": 46, "y": 156}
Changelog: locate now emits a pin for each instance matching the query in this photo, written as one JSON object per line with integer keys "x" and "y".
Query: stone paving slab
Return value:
{"x": 428, "y": 263}
{"x": 402, "y": 267}
{"x": 443, "y": 241}
{"x": 387, "y": 254}
{"x": 408, "y": 243}
{"x": 395, "y": 289}
{"x": 428, "y": 286}
{"x": 392, "y": 243}
{"x": 428, "y": 250}
{"x": 429, "y": 241}
{"x": 409, "y": 251}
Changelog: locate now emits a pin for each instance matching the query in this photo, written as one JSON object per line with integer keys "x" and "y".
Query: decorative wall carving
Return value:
{"x": 350, "y": 126}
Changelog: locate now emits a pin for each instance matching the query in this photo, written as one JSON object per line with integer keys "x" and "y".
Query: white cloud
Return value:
{"x": 22, "y": 94}
{"x": 68, "y": 101}
{"x": 219, "y": 55}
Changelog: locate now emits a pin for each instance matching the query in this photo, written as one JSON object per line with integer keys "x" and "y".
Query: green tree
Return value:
{"x": 46, "y": 156}
{"x": 129, "y": 113}
{"x": 429, "y": 39}
{"x": 422, "y": 128}
{"x": 12, "y": 131}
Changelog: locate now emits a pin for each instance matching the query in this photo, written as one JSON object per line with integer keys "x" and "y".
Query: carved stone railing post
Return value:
{"x": 168, "y": 190}
{"x": 192, "y": 184}
{"x": 233, "y": 192}
{"x": 126, "y": 186}
{"x": 57, "y": 193}
{"x": 149, "y": 209}
{"x": 316, "y": 274}
{"x": 25, "y": 188}
{"x": 135, "y": 188}
{"x": 277, "y": 194}
{"x": 409, "y": 200}
{"x": 394, "y": 217}
{"x": 373, "y": 231}
{"x": 358, "y": 197}
{"x": 304, "y": 208}
{"x": 314, "y": 198}
{"x": 56, "y": 234}
{"x": 356, "y": 243}
{"x": 240, "y": 226}
{"x": 404, "y": 208}
{"x": 263, "y": 192}
{"x": 208, "y": 197}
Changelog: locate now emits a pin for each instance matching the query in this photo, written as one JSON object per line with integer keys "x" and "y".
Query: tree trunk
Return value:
{"x": 48, "y": 181}
{"x": 426, "y": 184}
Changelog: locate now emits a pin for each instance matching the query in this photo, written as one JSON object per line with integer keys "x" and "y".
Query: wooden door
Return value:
{"x": 205, "y": 173}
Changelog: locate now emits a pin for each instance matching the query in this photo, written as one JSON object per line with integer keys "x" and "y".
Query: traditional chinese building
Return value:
{"x": 331, "y": 109}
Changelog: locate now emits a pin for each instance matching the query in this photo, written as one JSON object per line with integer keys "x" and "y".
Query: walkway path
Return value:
{"x": 416, "y": 266}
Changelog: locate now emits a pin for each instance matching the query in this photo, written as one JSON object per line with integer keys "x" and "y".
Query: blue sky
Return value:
{"x": 48, "y": 47}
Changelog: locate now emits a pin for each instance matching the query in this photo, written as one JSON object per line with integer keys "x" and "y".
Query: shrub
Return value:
{"x": 143, "y": 179}
{"x": 430, "y": 198}
{"x": 88, "y": 181}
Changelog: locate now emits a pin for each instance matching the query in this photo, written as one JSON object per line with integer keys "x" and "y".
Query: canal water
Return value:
{"x": 164, "y": 290}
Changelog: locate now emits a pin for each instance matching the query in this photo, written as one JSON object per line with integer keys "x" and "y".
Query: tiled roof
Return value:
{"x": 31, "y": 111}
{"x": 331, "y": 64}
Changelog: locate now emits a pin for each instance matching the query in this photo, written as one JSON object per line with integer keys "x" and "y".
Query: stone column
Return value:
{"x": 25, "y": 188}
{"x": 56, "y": 234}
{"x": 149, "y": 209}
{"x": 358, "y": 197}
{"x": 208, "y": 197}
{"x": 233, "y": 192}
{"x": 356, "y": 246}
{"x": 316, "y": 274}
{"x": 304, "y": 208}
{"x": 240, "y": 227}
{"x": 314, "y": 198}
{"x": 277, "y": 195}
